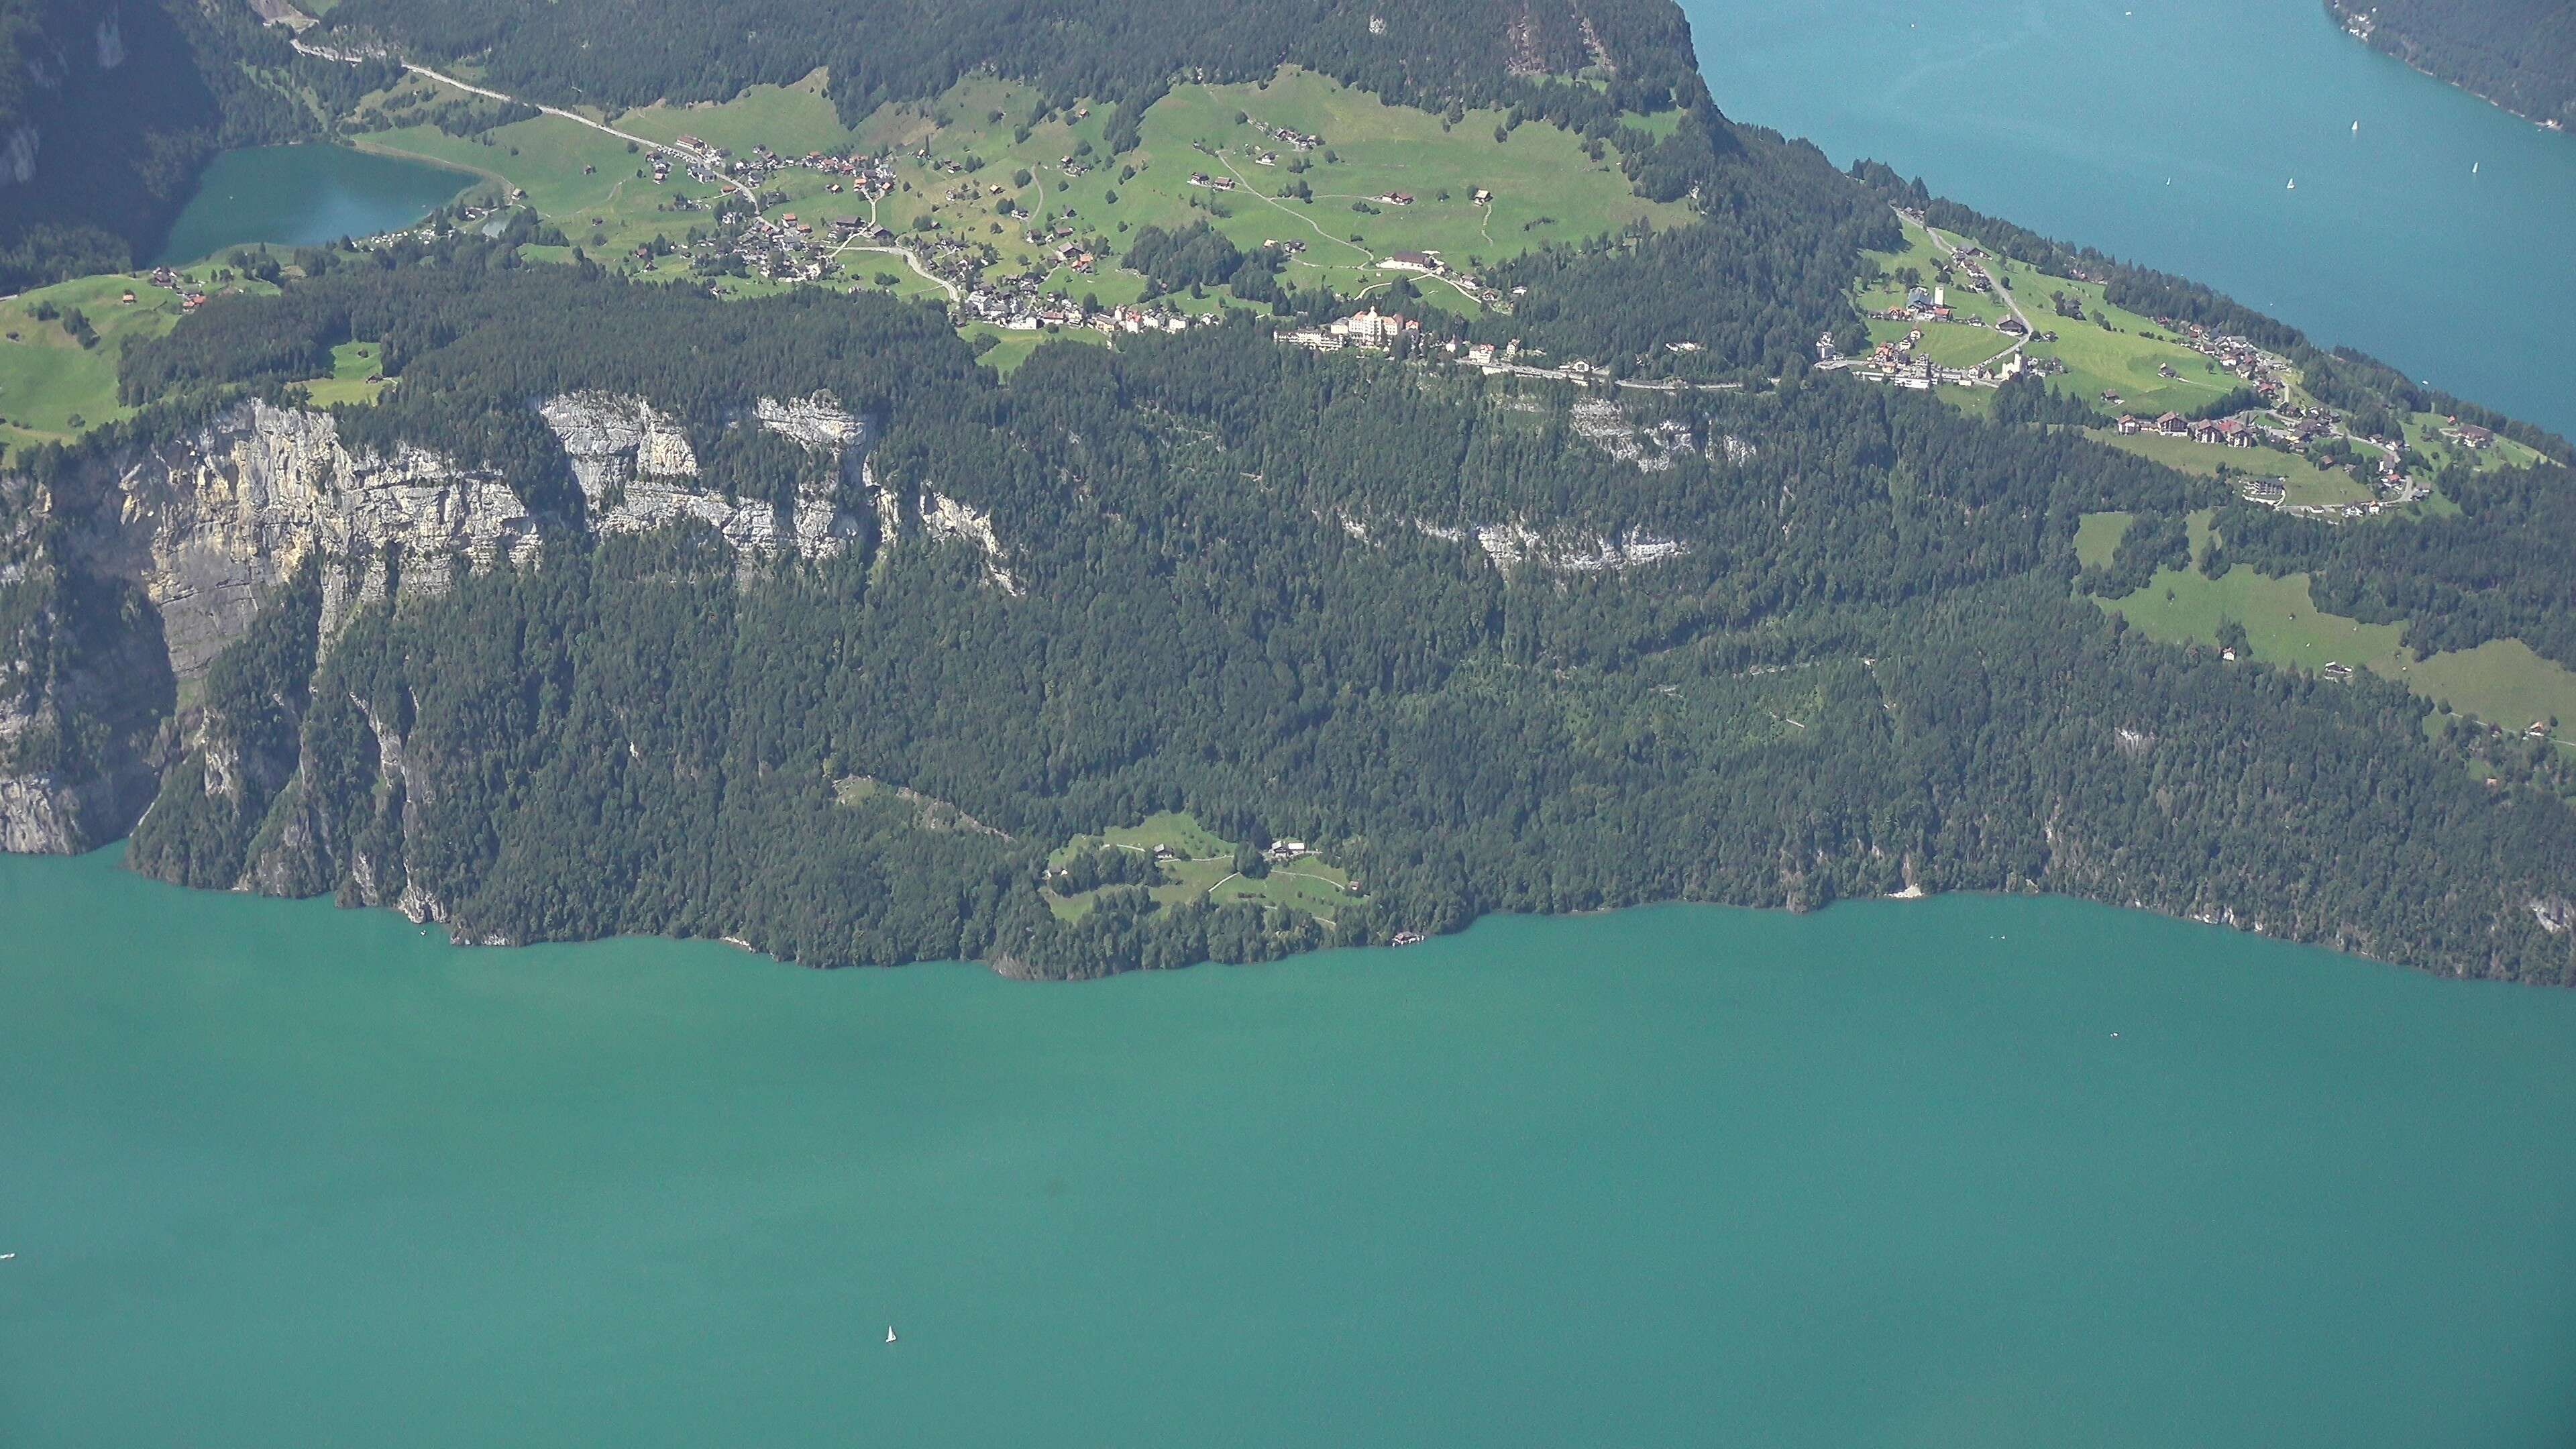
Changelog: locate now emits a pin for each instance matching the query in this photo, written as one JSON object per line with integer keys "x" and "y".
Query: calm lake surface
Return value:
{"x": 2072, "y": 116}
{"x": 304, "y": 195}
{"x": 279, "y": 1174}
{"x": 1972, "y": 1172}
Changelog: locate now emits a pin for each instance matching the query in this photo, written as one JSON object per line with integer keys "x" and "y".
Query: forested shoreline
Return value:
{"x": 1491, "y": 644}
{"x": 2520, "y": 54}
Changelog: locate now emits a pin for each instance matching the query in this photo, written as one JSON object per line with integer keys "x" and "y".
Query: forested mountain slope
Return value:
{"x": 629, "y": 52}
{"x": 2520, "y": 54}
{"x": 617, "y": 606}
{"x": 1823, "y": 646}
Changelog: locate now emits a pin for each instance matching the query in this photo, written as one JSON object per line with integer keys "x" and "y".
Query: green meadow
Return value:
{"x": 2098, "y": 535}
{"x": 2306, "y": 482}
{"x": 790, "y": 120}
{"x": 357, "y": 376}
{"x": 52, "y": 388}
{"x": 1948, "y": 344}
{"x": 2121, "y": 358}
{"x": 1011, "y": 348}
{"x": 960, "y": 159}
{"x": 1203, "y": 868}
{"x": 1543, "y": 187}
{"x": 2501, "y": 682}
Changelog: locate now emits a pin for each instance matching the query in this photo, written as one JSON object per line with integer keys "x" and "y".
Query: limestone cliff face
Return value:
{"x": 85, "y": 687}
{"x": 150, "y": 563}
{"x": 208, "y": 526}
{"x": 637, "y": 471}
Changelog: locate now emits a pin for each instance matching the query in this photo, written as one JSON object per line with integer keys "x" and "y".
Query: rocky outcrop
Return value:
{"x": 946, "y": 519}
{"x": 85, "y": 688}
{"x": 1558, "y": 549}
{"x": 211, "y": 525}
{"x": 638, "y": 472}
{"x": 1570, "y": 551}
{"x": 18, "y": 154}
{"x": 1653, "y": 449}
{"x": 2556, "y": 914}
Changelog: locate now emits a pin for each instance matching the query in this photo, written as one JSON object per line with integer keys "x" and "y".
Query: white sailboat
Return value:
{"x": 2473, "y": 168}
{"x": 2356, "y": 128}
{"x": 889, "y": 1333}
{"x": 2294, "y": 183}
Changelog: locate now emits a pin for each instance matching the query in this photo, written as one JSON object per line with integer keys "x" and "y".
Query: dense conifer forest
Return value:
{"x": 879, "y": 50}
{"x": 1250, "y": 588}
{"x": 2520, "y": 54}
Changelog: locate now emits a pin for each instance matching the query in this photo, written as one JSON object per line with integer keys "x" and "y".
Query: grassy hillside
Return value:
{"x": 51, "y": 387}
{"x": 962, "y": 158}
{"x": 2501, "y": 682}
{"x": 1201, "y": 867}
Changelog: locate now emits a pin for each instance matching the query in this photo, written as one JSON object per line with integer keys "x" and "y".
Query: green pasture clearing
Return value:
{"x": 47, "y": 379}
{"x": 1175, "y": 830}
{"x": 2501, "y": 682}
{"x": 1949, "y": 344}
{"x": 1544, "y": 188}
{"x": 1308, "y": 886}
{"x": 2098, "y": 535}
{"x": 2424, "y": 435}
{"x": 1920, "y": 254}
{"x": 605, "y": 210}
{"x": 2307, "y": 483}
{"x": 357, "y": 376}
{"x": 791, "y": 120}
{"x": 1011, "y": 348}
{"x": 2284, "y": 626}
{"x": 2123, "y": 361}
{"x": 1204, "y": 869}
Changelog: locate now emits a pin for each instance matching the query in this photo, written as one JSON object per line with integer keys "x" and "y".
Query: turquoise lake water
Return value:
{"x": 1970, "y": 1171}
{"x": 2072, "y": 116}
{"x": 1963, "y": 1172}
{"x": 303, "y": 196}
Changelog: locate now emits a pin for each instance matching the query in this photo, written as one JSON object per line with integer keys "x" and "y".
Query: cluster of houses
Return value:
{"x": 863, "y": 176}
{"x": 2236, "y": 355}
{"x": 1925, "y": 305}
{"x": 1019, "y": 307}
{"x": 2230, "y": 432}
{"x": 191, "y": 297}
{"x": 786, "y": 249}
{"x": 1293, "y": 140}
